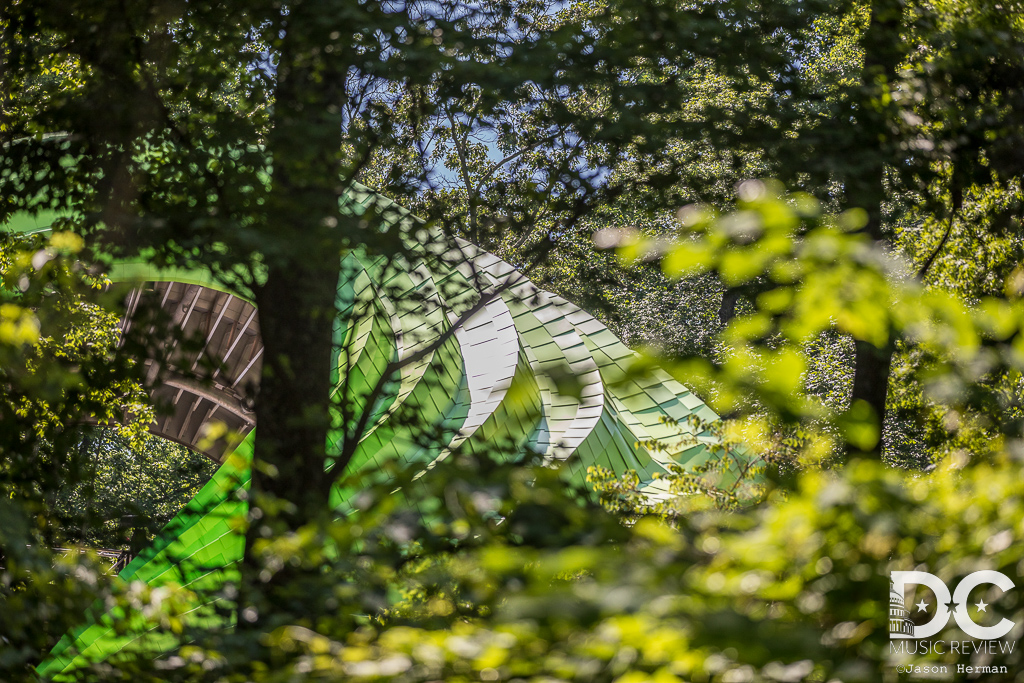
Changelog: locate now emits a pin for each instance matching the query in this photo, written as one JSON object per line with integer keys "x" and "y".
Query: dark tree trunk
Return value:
{"x": 296, "y": 310}
{"x": 871, "y": 381}
{"x": 874, "y": 148}
{"x": 300, "y": 245}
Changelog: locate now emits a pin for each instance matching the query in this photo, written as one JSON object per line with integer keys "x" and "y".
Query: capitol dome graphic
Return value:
{"x": 900, "y": 626}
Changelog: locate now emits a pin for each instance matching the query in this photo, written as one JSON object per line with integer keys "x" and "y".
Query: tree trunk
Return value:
{"x": 296, "y": 312}
{"x": 301, "y": 248}
{"x": 871, "y": 381}
{"x": 874, "y": 148}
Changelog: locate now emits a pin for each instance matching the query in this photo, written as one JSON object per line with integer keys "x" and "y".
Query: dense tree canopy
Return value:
{"x": 864, "y": 303}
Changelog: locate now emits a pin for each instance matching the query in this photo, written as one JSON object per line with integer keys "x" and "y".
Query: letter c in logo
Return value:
{"x": 963, "y": 619}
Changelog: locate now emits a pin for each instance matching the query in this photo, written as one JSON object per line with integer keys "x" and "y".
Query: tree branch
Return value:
{"x": 354, "y": 438}
{"x": 519, "y": 153}
{"x": 957, "y": 204}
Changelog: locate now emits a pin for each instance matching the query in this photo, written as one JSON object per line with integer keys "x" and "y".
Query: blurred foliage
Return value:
{"x": 819, "y": 275}
{"x": 732, "y": 477}
{"x": 481, "y": 571}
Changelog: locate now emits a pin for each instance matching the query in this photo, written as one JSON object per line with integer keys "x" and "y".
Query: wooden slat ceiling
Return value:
{"x": 215, "y": 384}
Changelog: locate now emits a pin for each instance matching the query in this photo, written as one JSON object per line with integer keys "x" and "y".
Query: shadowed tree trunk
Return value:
{"x": 875, "y": 149}
{"x": 301, "y": 250}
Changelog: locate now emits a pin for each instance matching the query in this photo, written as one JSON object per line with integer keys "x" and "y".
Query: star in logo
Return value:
{"x": 981, "y": 606}
{"x": 922, "y": 606}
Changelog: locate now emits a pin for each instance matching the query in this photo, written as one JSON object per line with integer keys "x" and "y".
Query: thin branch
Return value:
{"x": 511, "y": 157}
{"x": 935, "y": 252}
{"x": 353, "y": 439}
{"x": 471, "y": 192}
{"x": 957, "y": 205}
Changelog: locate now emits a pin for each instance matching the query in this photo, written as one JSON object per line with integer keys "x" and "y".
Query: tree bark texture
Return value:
{"x": 875, "y": 148}
{"x": 300, "y": 245}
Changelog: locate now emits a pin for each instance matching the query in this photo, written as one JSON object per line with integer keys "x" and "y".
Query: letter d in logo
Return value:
{"x": 941, "y": 618}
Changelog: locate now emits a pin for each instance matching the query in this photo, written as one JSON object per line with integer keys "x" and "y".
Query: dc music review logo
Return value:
{"x": 955, "y": 605}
